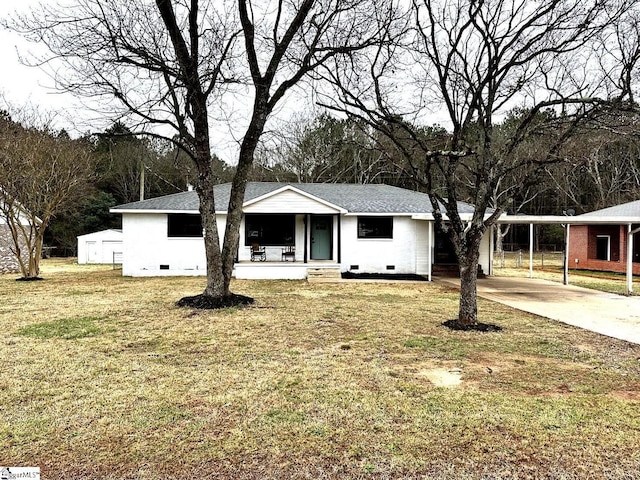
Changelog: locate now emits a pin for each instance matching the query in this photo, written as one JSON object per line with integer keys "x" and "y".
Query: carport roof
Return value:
{"x": 354, "y": 198}
{"x": 585, "y": 219}
{"x": 629, "y": 209}
{"x": 626, "y": 213}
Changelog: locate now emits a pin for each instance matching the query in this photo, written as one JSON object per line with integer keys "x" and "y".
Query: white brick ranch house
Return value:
{"x": 295, "y": 227}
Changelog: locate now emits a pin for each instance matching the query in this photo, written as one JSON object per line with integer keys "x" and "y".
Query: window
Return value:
{"x": 184, "y": 225}
{"x": 604, "y": 243}
{"x": 269, "y": 230}
{"x": 603, "y": 247}
{"x": 375, "y": 227}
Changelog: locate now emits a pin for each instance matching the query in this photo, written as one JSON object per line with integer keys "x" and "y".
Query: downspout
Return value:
{"x": 339, "y": 220}
{"x": 430, "y": 250}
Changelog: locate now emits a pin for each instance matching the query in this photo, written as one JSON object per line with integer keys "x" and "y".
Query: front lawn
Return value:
{"x": 104, "y": 378}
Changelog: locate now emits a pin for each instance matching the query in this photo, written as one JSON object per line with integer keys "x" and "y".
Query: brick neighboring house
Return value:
{"x": 603, "y": 247}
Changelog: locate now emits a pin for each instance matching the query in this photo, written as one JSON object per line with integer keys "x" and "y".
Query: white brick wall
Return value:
{"x": 146, "y": 247}
{"x": 374, "y": 255}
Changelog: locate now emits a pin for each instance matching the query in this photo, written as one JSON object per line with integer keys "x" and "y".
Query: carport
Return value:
{"x": 566, "y": 222}
{"x": 608, "y": 314}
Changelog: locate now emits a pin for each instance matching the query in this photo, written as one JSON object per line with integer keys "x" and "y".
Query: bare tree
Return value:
{"x": 171, "y": 63}
{"x": 602, "y": 169}
{"x": 474, "y": 61}
{"x": 42, "y": 173}
{"x": 512, "y": 192}
{"x": 327, "y": 149}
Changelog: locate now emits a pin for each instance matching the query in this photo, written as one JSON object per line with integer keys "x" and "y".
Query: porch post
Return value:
{"x": 306, "y": 237}
{"x": 531, "y": 250}
{"x": 429, "y": 249}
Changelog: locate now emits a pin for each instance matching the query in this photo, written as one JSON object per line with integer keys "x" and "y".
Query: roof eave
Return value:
{"x": 148, "y": 210}
{"x": 465, "y": 217}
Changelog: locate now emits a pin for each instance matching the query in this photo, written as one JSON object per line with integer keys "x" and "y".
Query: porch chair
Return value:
{"x": 258, "y": 253}
{"x": 289, "y": 252}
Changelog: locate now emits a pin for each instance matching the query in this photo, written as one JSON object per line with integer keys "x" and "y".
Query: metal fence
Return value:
{"x": 520, "y": 259}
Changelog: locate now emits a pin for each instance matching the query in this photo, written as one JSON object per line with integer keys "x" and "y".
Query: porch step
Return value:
{"x": 323, "y": 274}
{"x": 445, "y": 270}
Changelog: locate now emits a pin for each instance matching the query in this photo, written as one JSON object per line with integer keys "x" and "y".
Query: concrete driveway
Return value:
{"x": 605, "y": 313}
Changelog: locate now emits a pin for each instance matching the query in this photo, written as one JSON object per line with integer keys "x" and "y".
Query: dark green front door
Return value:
{"x": 321, "y": 237}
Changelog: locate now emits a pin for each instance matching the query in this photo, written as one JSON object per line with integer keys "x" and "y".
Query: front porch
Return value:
{"x": 289, "y": 238}
{"x": 278, "y": 270}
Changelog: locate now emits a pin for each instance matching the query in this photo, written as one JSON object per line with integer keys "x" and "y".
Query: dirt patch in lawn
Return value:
{"x": 633, "y": 395}
{"x": 443, "y": 377}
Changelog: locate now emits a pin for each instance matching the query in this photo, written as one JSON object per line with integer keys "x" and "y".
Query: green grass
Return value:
{"x": 65, "y": 328}
{"x": 313, "y": 381}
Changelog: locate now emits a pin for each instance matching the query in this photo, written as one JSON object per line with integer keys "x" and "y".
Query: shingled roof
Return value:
{"x": 630, "y": 209}
{"x": 354, "y": 198}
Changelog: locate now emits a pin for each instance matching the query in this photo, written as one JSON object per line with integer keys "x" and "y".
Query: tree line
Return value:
{"x": 600, "y": 169}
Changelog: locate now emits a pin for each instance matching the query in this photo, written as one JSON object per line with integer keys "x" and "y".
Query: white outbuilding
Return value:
{"x": 100, "y": 247}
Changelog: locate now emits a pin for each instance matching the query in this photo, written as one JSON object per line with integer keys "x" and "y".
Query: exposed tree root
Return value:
{"x": 207, "y": 302}
{"x": 478, "y": 327}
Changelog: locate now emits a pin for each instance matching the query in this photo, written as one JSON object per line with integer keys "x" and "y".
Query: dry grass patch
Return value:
{"x": 103, "y": 377}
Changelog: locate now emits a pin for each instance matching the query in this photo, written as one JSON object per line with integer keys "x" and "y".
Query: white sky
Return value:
{"x": 21, "y": 85}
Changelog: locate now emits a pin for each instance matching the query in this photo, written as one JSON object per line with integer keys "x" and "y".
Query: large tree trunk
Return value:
{"x": 217, "y": 293}
{"x": 215, "y": 285}
{"x": 27, "y": 242}
{"x": 468, "y": 258}
{"x": 468, "y": 309}
{"x": 234, "y": 218}
{"x": 35, "y": 255}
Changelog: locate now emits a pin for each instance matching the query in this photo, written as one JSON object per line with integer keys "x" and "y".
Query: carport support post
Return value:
{"x": 566, "y": 255}
{"x": 630, "y": 233}
{"x": 531, "y": 250}
{"x": 491, "y": 248}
